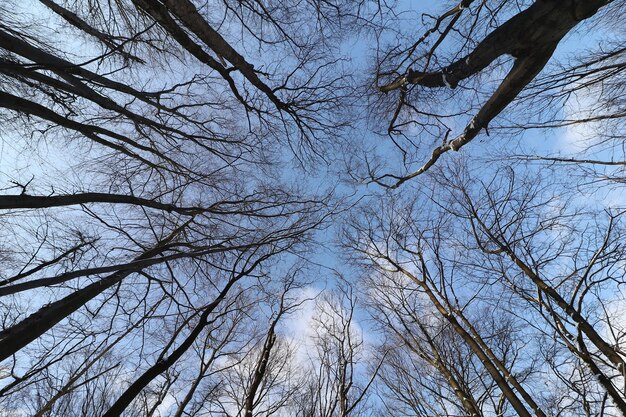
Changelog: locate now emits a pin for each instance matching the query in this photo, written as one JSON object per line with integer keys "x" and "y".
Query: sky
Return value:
{"x": 18, "y": 164}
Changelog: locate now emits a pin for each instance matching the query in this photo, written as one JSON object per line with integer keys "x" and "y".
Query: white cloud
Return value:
{"x": 579, "y": 105}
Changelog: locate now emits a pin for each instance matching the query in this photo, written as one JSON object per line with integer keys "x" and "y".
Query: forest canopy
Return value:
{"x": 312, "y": 208}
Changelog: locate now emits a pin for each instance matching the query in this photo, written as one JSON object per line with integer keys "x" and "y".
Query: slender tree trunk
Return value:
{"x": 492, "y": 369}
{"x": 21, "y": 334}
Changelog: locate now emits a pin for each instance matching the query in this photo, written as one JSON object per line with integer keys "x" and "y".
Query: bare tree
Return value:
{"x": 570, "y": 301}
{"x": 263, "y": 380}
{"x": 168, "y": 169}
{"x": 471, "y": 39}
{"x": 510, "y": 251}
{"x": 339, "y": 381}
{"x": 419, "y": 257}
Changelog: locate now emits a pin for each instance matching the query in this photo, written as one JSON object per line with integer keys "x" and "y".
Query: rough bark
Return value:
{"x": 531, "y": 37}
